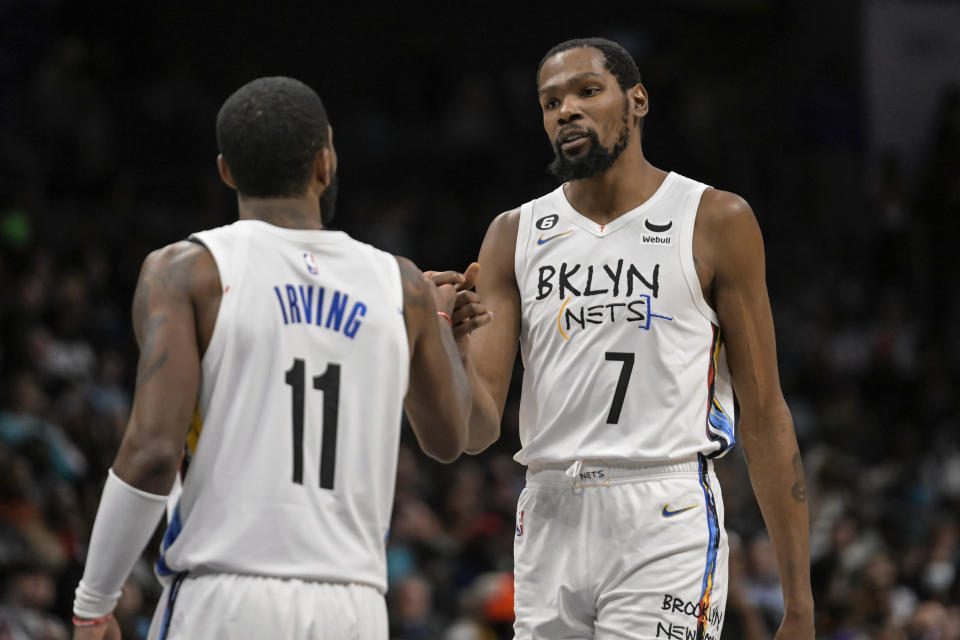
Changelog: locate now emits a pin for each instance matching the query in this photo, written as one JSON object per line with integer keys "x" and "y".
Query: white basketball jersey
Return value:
{"x": 623, "y": 358}
{"x": 293, "y": 450}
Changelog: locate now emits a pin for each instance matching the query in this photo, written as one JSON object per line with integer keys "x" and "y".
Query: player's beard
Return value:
{"x": 328, "y": 201}
{"x": 595, "y": 161}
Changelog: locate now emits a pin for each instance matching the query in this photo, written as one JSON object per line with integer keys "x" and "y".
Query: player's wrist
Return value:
{"x": 126, "y": 519}
{"x": 91, "y": 622}
{"x": 446, "y": 316}
{"x": 798, "y": 608}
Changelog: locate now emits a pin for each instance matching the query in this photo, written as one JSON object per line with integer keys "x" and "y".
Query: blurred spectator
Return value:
{"x": 28, "y": 594}
{"x": 762, "y": 582}
{"x": 487, "y": 609}
{"x": 411, "y": 612}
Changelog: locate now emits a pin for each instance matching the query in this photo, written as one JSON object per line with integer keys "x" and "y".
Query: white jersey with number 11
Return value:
{"x": 292, "y": 455}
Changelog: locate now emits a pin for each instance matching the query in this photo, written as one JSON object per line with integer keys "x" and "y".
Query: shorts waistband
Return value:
{"x": 592, "y": 472}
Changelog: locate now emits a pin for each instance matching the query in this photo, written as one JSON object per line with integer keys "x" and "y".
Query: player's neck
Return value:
{"x": 626, "y": 185}
{"x": 292, "y": 213}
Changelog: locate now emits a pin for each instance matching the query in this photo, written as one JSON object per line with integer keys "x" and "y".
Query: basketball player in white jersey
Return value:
{"x": 282, "y": 354}
{"x": 639, "y": 303}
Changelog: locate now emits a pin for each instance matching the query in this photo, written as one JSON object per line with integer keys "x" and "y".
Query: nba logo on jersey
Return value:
{"x": 311, "y": 263}
{"x": 520, "y": 524}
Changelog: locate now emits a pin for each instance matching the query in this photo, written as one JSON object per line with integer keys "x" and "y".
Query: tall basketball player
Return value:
{"x": 639, "y": 303}
{"x": 282, "y": 355}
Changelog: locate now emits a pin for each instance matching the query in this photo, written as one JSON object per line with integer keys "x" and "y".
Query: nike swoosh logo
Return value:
{"x": 669, "y": 514}
{"x": 542, "y": 240}
{"x": 658, "y": 228}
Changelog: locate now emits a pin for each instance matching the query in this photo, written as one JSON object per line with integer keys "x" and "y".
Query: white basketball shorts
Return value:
{"x": 223, "y": 605}
{"x": 615, "y": 553}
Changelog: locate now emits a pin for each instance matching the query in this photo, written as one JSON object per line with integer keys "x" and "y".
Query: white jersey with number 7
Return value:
{"x": 623, "y": 358}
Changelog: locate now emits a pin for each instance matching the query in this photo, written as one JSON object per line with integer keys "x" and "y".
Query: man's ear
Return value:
{"x": 323, "y": 168}
{"x": 639, "y": 102}
{"x": 225, "y": 172}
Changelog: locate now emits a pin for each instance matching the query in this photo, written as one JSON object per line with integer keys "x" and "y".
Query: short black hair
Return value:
{"x": 269, "y": 133}
{"x": 617, "y": 59}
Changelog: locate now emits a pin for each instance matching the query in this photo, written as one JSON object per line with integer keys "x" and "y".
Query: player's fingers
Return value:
{"x": 462, "y": 313}
{"x": 444, "y": 277}
{"x": 470, "y": 276}
{"x": 445, "y": 296}
{"x": 474, "y": 322}
{"x": 466, "y": 297}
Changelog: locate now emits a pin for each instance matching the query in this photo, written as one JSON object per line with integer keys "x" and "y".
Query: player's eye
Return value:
{"x": 590, "y": 91}
{"x": 550, "y": 104}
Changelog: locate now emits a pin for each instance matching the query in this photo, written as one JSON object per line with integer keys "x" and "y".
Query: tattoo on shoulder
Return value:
{"x": 414, "y": 287}
{"x": 147, "y": 326}
{"x": 799, "y": 489}
{"x": 182, "y": 268}
{"x": 177, "y": 279}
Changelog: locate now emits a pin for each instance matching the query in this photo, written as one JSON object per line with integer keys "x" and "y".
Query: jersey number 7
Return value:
{"x": 621, "y": 392}
{"x": 329, "y": 384}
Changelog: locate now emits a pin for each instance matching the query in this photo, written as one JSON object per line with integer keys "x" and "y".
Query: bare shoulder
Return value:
{"x": 723, "y": 209}
{"x": 500, "y": 244}
{"x": 185, "y": 267}
{"x": 415, "y": 289}
{"x": 726, "y": 216}
{"x": 407, "y": 267}
{"x": 505, "y": 225}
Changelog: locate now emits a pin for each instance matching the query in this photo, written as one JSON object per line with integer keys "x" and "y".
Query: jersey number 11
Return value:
{"x": 329, "y": 384}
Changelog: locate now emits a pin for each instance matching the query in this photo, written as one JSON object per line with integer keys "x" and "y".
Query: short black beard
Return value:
{"x": 594, "y": 162}
{"x": 328, "y": 201}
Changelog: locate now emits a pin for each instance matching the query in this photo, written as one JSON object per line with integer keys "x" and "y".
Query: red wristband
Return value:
{"x": 447, "y": 316}
{"x": 91, "y": 622}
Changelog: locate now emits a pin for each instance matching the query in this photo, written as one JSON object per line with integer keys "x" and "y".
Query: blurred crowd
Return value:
{"x": 98, "y": 166}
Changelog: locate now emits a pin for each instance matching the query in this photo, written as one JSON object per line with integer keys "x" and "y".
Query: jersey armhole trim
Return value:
{"x": 520, "y": 250}
{"x": 520, "y": 268}
{"x": 216, "y": 343}
{"x": 393, "y": 268}
{"x": 690, "y": 209}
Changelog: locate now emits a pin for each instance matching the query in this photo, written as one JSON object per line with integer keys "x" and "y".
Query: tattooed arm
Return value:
{"x": 730, "y": 261}
{"x": 438, "y": 397}
{"x": 174, "y": 306}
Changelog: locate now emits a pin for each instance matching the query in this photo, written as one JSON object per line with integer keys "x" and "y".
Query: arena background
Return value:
{"x": 838, "y": 121}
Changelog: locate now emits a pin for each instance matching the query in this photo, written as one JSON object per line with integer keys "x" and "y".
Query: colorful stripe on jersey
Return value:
{"x": 169, "y": 537}
{"x": 719, "y": 422}
{"x": 713, "y": 547}
{"x": 171, "y": 601}
{"x": 193, "y": 435}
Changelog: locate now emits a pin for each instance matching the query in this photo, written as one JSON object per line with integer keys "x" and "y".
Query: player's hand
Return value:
{"x": 469, "y": 312}
{"x": 109, "y": 630}
{"x": 441, "y": 278}
{"x": 796, "y": 627}
{"x": 444, "y": 296}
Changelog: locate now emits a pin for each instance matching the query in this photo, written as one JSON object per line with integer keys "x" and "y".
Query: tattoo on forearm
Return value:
{"x": 799, "y": 489}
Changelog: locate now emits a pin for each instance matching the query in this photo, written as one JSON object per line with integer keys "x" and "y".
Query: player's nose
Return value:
{"x": 568, "y": 111}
